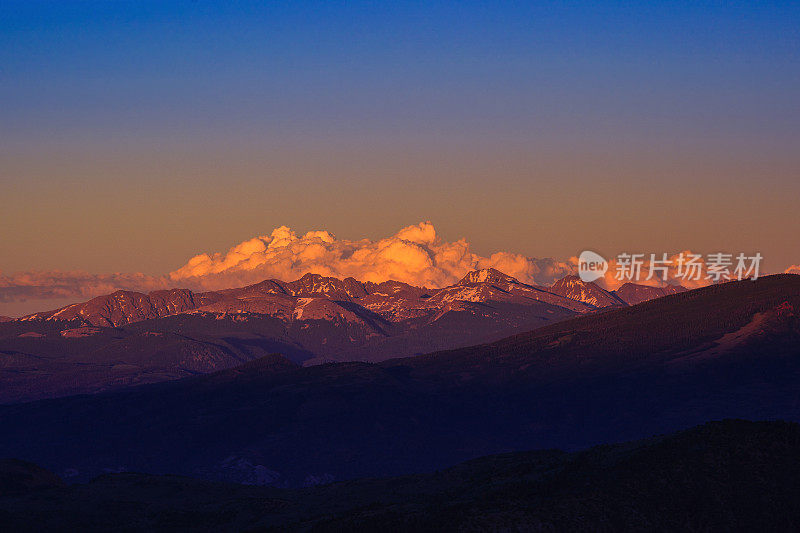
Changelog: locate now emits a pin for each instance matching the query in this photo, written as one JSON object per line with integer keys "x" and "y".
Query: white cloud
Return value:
{"x": 56, "y": 284}
{"x": 415, "y": 255}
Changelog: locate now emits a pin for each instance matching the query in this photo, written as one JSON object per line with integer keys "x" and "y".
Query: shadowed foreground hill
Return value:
{"x": 728, "y": 351}
{"x": 723, "y": 476}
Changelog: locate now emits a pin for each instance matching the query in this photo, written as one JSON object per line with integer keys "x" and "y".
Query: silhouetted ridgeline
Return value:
{"x": 723, "y": 476}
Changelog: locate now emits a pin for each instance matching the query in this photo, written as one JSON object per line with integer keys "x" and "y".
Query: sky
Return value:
{"x": 137, "y": 135}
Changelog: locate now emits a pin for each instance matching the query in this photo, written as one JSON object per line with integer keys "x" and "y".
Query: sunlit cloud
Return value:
{"x": 415, "y": 255}
{"x": 55, "y": 284}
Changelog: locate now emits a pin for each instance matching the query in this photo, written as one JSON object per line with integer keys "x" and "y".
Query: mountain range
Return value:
{"x": 128, "y": 338}
{"x": 727, "y": 350}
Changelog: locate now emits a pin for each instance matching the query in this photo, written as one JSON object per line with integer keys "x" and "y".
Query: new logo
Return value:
{"x": 591, "y": 266}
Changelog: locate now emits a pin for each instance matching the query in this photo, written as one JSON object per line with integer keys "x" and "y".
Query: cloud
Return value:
{"x": 53, "y": 285}
{"x": 415, "y": 255}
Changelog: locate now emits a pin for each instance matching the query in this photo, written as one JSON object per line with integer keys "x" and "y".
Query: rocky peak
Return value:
{"x": 573, "y": 287}
{"x": 316, "y": 285}
{"x": 123, "y": 307}
{"x": 487, "y": 275}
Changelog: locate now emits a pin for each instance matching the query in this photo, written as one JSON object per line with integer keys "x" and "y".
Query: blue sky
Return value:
{"x": 216, "y": 69}
{"x": 512, "y": 124}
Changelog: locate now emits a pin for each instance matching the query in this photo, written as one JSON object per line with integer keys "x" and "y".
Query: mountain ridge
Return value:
{"x": 129, "y": 338}
{"x": 621, "y": 374}
{"x": 724, "y": 475}
{"x": 125, "y": 307}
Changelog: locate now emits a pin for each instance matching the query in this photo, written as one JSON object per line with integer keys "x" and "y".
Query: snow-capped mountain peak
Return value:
{"x": 487, "y": 275}
{"x": 576, "y": 289}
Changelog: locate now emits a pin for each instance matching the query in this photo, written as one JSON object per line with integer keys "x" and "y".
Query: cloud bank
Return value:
{"x": 415, "y": 255}
{"x": 56, "y": 284}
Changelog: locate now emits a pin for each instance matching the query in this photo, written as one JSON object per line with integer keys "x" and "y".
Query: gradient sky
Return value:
{"x": 134, "y": 135}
